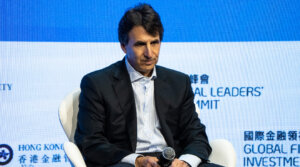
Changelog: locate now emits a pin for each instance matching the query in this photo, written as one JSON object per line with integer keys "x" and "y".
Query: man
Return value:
{"x": 131, "y": 110}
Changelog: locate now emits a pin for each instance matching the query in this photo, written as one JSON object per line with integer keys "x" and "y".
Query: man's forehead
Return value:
{"x": 138, "y": 33}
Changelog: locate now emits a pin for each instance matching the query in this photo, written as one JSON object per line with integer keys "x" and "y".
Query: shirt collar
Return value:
{"x": 135, "y": 75}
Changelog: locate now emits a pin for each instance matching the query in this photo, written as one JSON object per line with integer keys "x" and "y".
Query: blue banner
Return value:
{"x": 184, "y": 21}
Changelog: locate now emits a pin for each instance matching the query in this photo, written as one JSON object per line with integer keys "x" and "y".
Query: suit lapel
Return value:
{"x": 124, "y": 92}
{"x": 161, "y": 92}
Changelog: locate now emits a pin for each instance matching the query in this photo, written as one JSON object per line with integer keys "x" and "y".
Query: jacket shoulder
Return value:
{"x": 170, "y": 73}
{"x": 104, "y": 73}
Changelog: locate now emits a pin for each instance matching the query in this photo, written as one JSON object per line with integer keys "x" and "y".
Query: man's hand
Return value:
{"x": 146, "y": 161}
{"x": 178, "y": 163}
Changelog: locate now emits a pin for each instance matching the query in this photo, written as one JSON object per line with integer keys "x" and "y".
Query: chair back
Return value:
{"x": 68, "y": 111}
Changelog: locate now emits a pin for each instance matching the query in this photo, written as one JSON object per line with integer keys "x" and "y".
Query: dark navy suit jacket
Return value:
{"x": 107, "y": 131}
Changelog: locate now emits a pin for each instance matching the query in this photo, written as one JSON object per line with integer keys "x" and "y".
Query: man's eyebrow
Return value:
{"x": 155, "y": 41}
{"x": 139, "y": 43}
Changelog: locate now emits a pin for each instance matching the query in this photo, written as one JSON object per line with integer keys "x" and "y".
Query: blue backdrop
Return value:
{"x": 184, "y": 21}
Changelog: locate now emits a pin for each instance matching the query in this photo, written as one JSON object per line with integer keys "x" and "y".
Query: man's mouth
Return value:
{"x": 149, "y": 62}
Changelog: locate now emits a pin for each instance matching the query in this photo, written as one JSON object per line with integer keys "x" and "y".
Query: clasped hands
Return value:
{"x": 147, "y": 161}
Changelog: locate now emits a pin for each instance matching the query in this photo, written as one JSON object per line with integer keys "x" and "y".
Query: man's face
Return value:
{"x": 142, "y": 50}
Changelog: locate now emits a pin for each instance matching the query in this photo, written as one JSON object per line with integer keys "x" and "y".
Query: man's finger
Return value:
{"x": 178, "y": 163}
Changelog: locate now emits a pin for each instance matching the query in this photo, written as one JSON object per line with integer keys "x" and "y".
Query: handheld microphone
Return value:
{"x": 166, "y": 157}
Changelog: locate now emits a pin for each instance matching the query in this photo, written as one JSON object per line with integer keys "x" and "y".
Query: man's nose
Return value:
{"x": 148, "y": 51}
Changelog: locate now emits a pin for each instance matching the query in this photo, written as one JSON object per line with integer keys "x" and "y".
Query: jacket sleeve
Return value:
{"x": 90, "y": 135}
{"x": 193, "y": 136}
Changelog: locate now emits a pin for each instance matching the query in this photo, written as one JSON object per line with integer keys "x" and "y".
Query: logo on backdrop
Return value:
{"x": 5, "y": 87}
{"x": 210, "y": 98}
{"x": 204, "y": 79}
{"x": 271, "y": 148}
{"x": 6, "y": 154}
{"x": 41, "y": 154}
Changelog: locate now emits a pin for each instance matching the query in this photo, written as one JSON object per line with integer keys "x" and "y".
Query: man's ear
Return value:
{"x": 123, "y": 48}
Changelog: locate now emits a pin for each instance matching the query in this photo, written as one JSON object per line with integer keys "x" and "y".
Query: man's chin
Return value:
{"x": 147, "y": 70}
